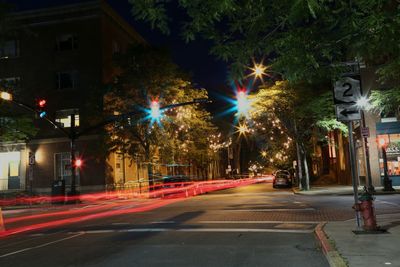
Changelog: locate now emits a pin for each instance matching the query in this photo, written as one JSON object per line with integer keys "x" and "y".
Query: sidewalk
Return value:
{"x": 341, "y": 190}
{"x": 343, "y": 247}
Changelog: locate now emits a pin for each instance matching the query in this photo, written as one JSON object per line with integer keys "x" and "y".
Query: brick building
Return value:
{"x": 64, "y": 55}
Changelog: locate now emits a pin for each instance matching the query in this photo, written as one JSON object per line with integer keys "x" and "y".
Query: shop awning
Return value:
{"x": 388, "y": 127}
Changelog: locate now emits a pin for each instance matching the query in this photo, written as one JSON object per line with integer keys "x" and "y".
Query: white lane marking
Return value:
{"x": 305, "y": 209}
{"x": 120, "y": 223}
{"x": 42, "y": 245}
{"x": 163, "y": 222}
{"x": 209, "y": 230}
{"x": 259, "y": 222}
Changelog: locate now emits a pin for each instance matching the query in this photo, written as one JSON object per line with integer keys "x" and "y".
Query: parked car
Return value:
{"x": 282, "y": 178}
{"x": 175, "y": 180}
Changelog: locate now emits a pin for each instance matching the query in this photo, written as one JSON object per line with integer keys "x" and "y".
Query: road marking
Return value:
{"x": 259, "y": 222}
{"x": 305, "y": 209}
{"x": 209, "y": 230}
{"x": 40, "y": 246}
{"x": 163, "y": 222}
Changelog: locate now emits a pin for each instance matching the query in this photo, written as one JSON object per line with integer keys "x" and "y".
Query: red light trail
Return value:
{"x": 160, "y": 195}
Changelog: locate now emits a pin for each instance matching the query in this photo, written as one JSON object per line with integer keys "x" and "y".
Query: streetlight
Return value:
{"x": 242, "y": 103}
{"x": 387, "y": 182}
{"x": 258, "y": 70}
{"x": 6, "y": 96}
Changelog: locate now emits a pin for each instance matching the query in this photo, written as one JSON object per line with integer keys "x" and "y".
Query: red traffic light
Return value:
{"x": 78, "y": 163}
{"x": 42, "y": 103}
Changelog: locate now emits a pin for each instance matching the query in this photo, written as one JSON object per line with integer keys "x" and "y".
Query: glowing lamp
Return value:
{"x": 78, "y": 163}
{"x": 155, "y": 112}
{"x": 243, "y": 103}
{"x": 6, "y": 96}
{"x": 382, "y": 142}
{"x": 363, "y": 103}
{"x": 42, "y": 103}
{"x": 258, "y": 70}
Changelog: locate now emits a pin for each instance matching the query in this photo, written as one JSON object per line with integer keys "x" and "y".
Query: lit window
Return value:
{"x": 67, "y": 80}
{"x": 9, "y": 49}
{"x": 63, "y": 117}
{"x": 66, "y": 42}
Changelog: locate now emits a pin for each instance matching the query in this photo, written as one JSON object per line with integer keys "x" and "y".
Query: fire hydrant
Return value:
{"x": 366, "y": 207}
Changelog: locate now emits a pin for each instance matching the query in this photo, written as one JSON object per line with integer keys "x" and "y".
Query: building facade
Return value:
{"x": 64, "y": 55}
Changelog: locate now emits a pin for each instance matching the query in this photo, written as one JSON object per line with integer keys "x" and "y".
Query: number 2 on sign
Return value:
{"x": 348, "y": 89}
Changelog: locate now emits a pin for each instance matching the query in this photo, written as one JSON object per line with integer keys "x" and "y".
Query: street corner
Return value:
{"x": 328, "y": 247}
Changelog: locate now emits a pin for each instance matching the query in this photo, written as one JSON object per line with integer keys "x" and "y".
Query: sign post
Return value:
{"x": 347, "y": 90}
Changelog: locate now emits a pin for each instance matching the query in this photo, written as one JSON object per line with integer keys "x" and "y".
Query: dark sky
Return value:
{"x": 193, "y": 58}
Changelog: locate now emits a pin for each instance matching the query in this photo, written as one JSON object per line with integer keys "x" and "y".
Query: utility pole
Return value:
{"x": 72, "y": 137}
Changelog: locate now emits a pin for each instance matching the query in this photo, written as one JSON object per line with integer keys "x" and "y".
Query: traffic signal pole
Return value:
{"x": 72, "y": 134}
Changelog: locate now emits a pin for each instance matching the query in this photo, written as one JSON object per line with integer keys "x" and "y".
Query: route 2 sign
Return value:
{"x": 347, "y": 90}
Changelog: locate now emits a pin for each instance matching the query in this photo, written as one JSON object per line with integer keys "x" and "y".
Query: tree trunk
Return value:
{"x": 149, "y": 167}
{"x": 299, "y": 161}
{"x": 307, "y": 175}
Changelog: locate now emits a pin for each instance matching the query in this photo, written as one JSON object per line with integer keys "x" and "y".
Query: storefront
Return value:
{"x": 389, "y": 136}
{"x": 10, "y": 170}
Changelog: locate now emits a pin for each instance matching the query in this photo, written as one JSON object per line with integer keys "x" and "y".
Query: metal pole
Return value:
{"x": 72, "y": 151}
{"x": 387, "y": 182}
{"x": 353, "y": 170}
{"x": 370, "y": 186}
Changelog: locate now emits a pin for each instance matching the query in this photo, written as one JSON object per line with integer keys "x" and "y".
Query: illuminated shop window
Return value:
{"x": 392, "y": 154}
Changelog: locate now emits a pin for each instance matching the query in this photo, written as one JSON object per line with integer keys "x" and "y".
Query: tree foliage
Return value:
{"x": 14, "y": 125}
{"x": 386, "y": 101}
{"x": 148, "y": 74}
{"x": 300, "y": 39}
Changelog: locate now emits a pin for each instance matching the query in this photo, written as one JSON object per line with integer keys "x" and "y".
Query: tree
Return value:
{"x": 14, "y": 124}
{"x": 292, "y": 112}
{"x": 300, "y": 39}
{"x": 386, "y": 101}
{"x": 147, "y": 74}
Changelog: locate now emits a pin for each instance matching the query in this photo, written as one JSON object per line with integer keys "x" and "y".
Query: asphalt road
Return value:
{"x": 253, "y": 225}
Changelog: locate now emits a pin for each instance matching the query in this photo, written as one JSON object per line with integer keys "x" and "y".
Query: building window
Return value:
{"x": 67, "y": 80}
{"x": 392, "y": 154}
{"x": 63, "y": 167}
{"x": 66, "y": 42}
{"x": 63, "y": 117}
{"x": 10, "y": 83}
{"x": 9, "y": 49}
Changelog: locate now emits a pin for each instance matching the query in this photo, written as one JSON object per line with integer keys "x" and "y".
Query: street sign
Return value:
{"x": 365, "y": 132}
{"x": 347, "y": 113}
{"x": 347, "y": 90}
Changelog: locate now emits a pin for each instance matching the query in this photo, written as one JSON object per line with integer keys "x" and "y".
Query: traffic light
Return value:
{"x": 78, "y": 163}
{"x": 242, "y": 102}
{"x": 41, "y": 107}
{"x": 155, "y": 112}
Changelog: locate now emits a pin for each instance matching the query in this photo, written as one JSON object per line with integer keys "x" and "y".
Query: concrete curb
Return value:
{"x": 331, "y": 254}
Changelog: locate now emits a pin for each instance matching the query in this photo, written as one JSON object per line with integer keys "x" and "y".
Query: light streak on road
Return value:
{"x": 158, "y": 196}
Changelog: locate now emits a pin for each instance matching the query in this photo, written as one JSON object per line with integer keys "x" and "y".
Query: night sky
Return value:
{"x": 193, "y": 58}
